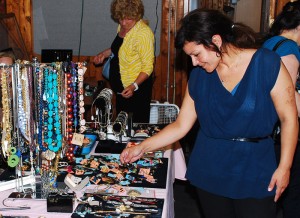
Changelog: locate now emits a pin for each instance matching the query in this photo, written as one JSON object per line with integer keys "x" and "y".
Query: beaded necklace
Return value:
{"x": 74, "y": 96}
{"x": 53, "y": 136}
{"x": 40, "y": 94}
{"x": 81, "y": 71}
{"x": 69, "y": 111}
{"x": 75, "y": 104}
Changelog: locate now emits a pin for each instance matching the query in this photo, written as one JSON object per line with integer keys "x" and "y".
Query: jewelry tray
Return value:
{"x": 105, "y": 169}
{"x": 97, "y": 205}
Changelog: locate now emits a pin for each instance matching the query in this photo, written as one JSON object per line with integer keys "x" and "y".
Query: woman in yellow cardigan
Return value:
{"x": 133, "y": 59}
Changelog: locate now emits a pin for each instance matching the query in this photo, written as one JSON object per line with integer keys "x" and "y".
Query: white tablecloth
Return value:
{"x": 38, "y": 208}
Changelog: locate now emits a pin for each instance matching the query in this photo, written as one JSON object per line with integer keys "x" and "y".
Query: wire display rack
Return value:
{"x": 163, "y": 113}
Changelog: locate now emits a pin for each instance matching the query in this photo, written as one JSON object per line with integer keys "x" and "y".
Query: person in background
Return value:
{"x": 7, "y": 56}
{"x": 132, "y": 64}
{"x": 237, "y": 92}
{"x": 286, "y": 26}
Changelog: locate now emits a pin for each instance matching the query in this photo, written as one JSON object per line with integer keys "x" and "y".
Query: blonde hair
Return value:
{"x": 131, "y": 9}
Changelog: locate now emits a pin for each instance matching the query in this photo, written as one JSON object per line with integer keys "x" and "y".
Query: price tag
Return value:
{"x": 77, "y": 139}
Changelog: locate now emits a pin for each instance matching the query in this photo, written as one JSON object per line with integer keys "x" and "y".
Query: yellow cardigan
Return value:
{"x": 136, "y": 53}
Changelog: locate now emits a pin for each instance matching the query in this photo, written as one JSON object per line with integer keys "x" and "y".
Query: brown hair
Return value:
{"x": 7, "y": 56}
{"x": 132, "y": 9}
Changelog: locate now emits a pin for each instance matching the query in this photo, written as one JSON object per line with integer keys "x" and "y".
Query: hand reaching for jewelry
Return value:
{"x": 132, "y": 154}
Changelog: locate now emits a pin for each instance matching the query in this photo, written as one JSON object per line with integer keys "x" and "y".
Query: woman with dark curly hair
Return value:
{"x": 237, "y": 92}
{"x": 284, "y": 39}
{"x": 133, "y": 59}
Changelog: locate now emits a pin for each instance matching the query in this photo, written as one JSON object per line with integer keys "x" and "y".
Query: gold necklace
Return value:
{"x": 7, "y": 118}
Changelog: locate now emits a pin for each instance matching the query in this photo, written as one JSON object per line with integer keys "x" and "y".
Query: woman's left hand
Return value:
{"x": 128, "y": 91}
{"x": 280, "y": 179}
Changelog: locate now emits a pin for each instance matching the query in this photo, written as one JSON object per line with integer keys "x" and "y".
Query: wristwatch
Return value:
{"x": 136, "y": 86}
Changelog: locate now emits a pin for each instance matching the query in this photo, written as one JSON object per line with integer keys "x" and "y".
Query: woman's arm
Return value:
{"x": 129, "y": 90}
{"x": 283, "y": 96}
{"x": 99, "y": 58}
{"x": 292, "y": 65}
{"x": 144, "y": 45}
{"x": 170, "y": 134}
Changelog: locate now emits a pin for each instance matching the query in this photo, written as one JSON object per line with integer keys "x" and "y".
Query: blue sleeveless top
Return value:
{"x": 231, "y": 168}
{"x": 287, "y": 48}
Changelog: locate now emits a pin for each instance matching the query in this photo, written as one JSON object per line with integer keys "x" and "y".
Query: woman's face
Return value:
{"x": 127, "y": 23}
{"x": 201, "y": 56}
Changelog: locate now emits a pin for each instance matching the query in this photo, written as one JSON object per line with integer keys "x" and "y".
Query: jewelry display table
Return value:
{"x": 38, "y": 208}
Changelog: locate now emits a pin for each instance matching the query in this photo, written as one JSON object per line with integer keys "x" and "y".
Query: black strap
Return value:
{"x": 280, "y": 42}
{"x": 257, "y": 139}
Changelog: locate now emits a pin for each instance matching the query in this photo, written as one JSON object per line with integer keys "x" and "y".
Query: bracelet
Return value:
{"x": 136, "y": 86}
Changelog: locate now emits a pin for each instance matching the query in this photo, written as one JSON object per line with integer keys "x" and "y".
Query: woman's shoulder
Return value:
{"x": 265, "y": 52}
{"x": 143, "y": 25}
{"x": 287, "y": 47}
{"x": 139, "y": 34}
{"x": 271, "y": 42}
{"x": 260, "y": 55}
{"x": 141, "y": 30}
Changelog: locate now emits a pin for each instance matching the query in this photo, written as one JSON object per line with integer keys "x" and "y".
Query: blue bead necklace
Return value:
{"x": 54, "y": 136}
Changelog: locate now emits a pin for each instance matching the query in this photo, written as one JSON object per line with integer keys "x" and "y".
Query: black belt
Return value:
{"x": 250, "y": 139}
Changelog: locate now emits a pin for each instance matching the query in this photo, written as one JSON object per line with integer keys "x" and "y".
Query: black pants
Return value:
{"x": 138, "y": 104}
{"x": 214, "y": 206}
{"x": 289, "y": 202}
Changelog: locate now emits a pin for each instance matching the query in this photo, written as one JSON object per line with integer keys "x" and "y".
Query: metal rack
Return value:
{"x": 163, "y": 113}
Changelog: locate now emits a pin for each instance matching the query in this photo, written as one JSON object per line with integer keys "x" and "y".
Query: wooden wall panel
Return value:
{"x": 22, "y": 10}
{"x": 280, "y": 4}
{"x": 169, "y": 82}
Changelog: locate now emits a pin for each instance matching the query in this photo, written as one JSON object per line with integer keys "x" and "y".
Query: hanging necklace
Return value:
{"x": 81, "y": 71}
{"x": 7, "y": 116}
{"x": 69, "y": 112}
{"x": 40, "y": 90}
{"x": 53, "y": 138}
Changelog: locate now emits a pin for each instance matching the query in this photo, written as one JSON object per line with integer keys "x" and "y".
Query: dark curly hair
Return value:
{"x": 201, "y": 25}
{"x": 287, "y": 19}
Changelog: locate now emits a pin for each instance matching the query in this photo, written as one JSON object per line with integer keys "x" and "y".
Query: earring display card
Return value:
{"x": 97, "y": 205}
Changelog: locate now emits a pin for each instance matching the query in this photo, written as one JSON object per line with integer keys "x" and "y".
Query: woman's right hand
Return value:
{"x": 131, "y": 154}
{"x": 99, "y": 58}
